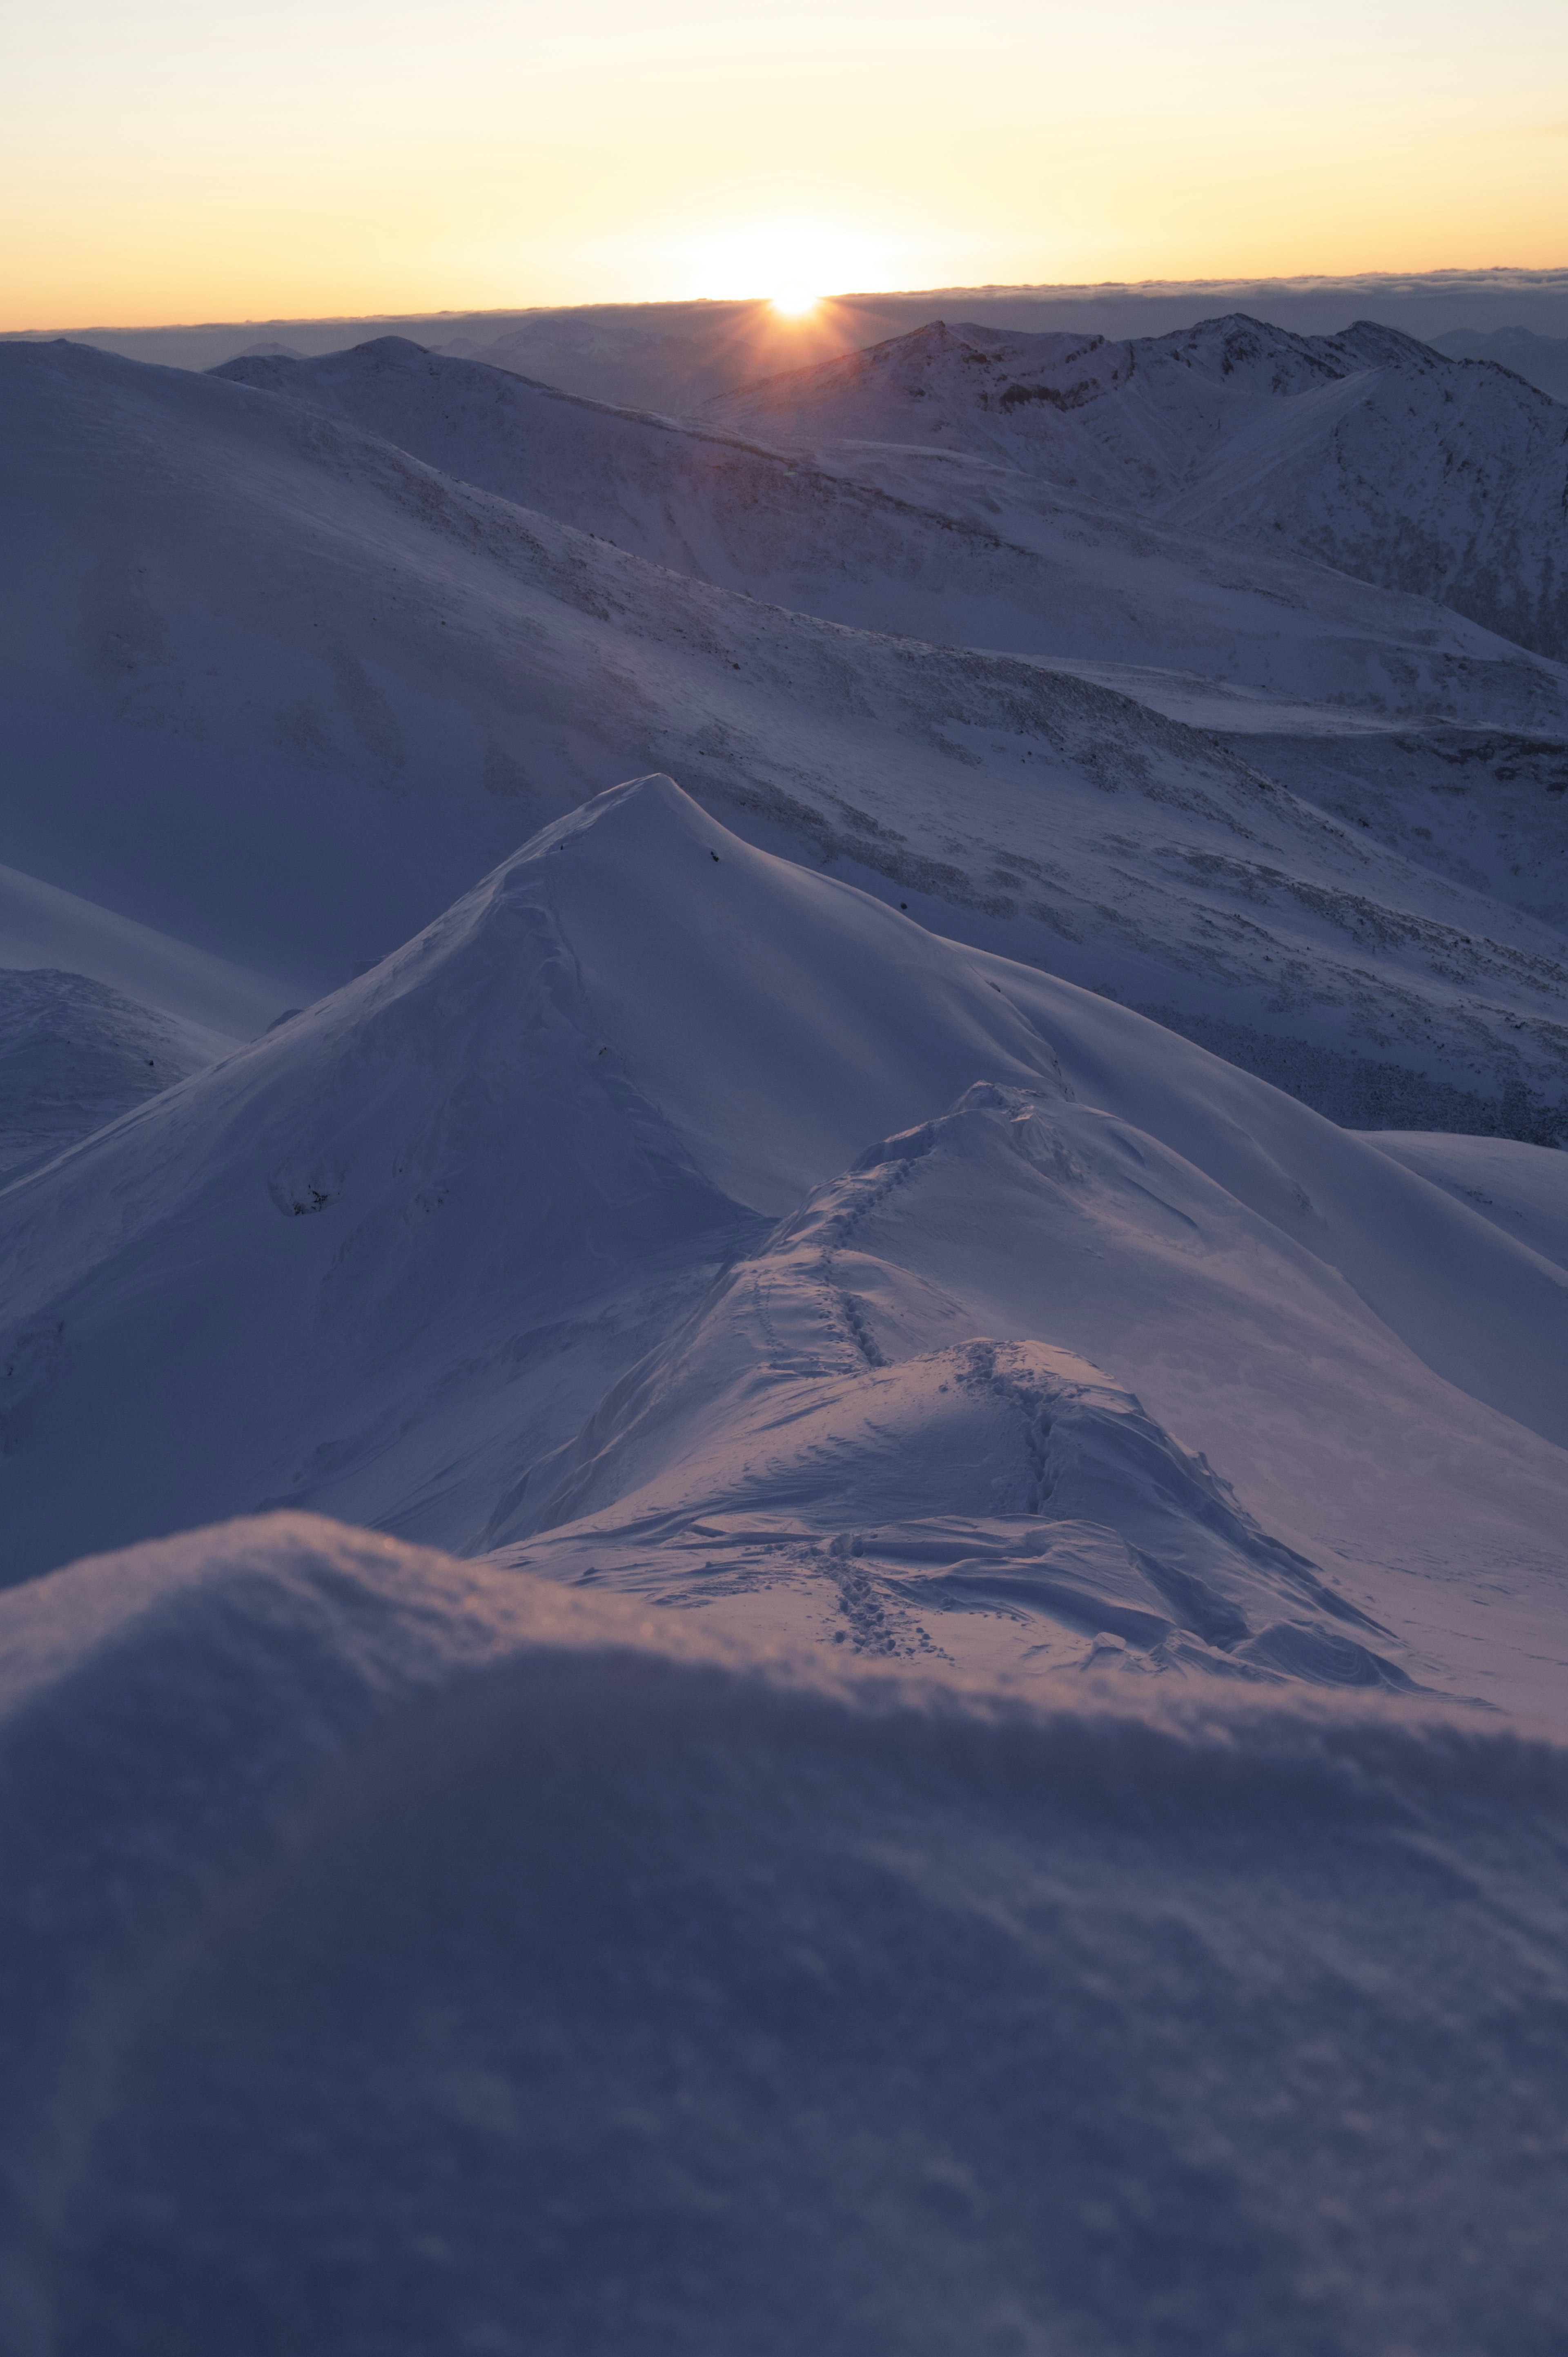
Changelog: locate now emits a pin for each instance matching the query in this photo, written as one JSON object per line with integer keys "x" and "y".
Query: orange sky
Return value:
{"x": 181, "y": 162}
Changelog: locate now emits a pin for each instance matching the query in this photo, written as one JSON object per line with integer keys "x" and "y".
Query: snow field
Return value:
{"x": 424, "y": 1954}
{"x": 942, "y": 1728}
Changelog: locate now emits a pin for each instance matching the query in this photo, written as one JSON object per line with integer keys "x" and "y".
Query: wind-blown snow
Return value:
{"x": 417, "y": 1956}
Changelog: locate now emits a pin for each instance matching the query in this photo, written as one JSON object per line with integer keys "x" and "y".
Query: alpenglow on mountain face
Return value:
{"x": 784, "y": 1354}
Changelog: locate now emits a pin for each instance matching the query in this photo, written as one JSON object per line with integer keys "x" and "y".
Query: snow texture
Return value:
{"x": 403, "y": 1956}
{"x": 929, "y": 1717}
{"x": 1367, "y": 450}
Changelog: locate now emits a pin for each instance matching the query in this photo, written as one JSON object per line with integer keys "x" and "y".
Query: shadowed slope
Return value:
{"x": 404, "y": 1954}
{"x": 283, "y": 689}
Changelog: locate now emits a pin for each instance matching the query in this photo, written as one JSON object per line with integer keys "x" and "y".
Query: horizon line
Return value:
{"x": 1496, "y": 273}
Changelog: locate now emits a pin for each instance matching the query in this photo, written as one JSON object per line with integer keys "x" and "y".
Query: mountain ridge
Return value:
{"x": 1368, "y": 504}
{"x": 335, "y": 685}
{"x": 631, "y": 1124}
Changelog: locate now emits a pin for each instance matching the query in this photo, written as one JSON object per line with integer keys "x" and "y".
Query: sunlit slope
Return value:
{"x": 1228, "y": 448}
{"x": 488, "y": 1241}
{"x": 285, "y": 691}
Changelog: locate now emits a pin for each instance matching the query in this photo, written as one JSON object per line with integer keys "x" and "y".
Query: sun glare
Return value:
{"x": 794, "y": 264}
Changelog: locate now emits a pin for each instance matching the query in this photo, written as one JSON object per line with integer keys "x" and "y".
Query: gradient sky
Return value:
{"x": 178, "y": 160}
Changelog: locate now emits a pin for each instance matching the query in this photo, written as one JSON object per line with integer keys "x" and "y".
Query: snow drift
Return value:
{"x": 401, "y": 1953}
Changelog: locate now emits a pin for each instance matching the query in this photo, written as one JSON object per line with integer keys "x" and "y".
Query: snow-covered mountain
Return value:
{"x": 1032, "y": 578}
{"x": 291, "y": 690}
{"x": 1541, "y": 361}
{"x": 98, "y": 1012}
{"x": 943, "y": 1727}
{"x": 671, "y": 355}
{"x": 1500, "y": 1176}
{"x": 1369, "y": 450}
{"x": 488, "y": 1245}
{"x": 75, "y": 1054}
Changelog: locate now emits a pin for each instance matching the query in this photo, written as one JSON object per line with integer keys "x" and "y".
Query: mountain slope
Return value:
{"x": 905, "y": 1816}
{"x": 1541, "y": 361}
{"x": 1369, "y": 450}
{"x": 40, "y": 926}
{"x": 74, "y": 1055}
{"x": 484, "y": 1243}
{"x": 280, "y": 688}
{"x": 1522, "y": 1187}
{"x": 1033, "y": 577}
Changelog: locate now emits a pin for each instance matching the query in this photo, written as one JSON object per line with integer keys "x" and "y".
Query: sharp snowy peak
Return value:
{"x": 486, "y": 1248}
{"x": 1369, "y": 451}
{"x": 337, "y": 686}
{"x": 447, "y": 1201}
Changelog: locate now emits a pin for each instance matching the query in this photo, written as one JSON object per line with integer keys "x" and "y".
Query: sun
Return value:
{"x": 793, "y": 300}
{"x": 793, "y": 262}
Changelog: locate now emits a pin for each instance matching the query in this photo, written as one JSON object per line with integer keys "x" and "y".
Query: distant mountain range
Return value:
{"x": 1365, "y": 450}
{"x": 672, "y": 356}
{"x": 340, "y": 632}
{"x": 1541, "y": 361}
